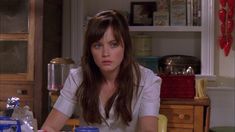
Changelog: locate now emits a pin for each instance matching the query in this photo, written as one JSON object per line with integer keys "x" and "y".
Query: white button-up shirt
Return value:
{"x": 146, "y": 103}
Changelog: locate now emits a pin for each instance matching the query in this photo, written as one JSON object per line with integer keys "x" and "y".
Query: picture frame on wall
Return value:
{"x": 142, "y": 13}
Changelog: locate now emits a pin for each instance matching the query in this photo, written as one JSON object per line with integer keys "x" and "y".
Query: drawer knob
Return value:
{"x": 181, "y": 116}
{"x": 21, "y": 92}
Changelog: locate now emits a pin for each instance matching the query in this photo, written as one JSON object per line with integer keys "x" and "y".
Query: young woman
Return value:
{"x": 109, "y": 90}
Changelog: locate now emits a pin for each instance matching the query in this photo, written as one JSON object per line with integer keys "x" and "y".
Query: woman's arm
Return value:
{"x": 55, "y": 121}
{"x": 148, "y": 124}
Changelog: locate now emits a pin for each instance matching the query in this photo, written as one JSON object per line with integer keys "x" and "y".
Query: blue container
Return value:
{"x": 8, "y": 124}
{"x": 150, "y": 62}
{"x": 86, "y": 129}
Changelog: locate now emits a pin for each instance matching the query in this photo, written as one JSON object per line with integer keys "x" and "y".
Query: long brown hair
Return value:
{"x": 127, "y": 79}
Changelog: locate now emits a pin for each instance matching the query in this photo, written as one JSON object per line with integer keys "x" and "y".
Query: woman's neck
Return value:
{"x": 110, "y": 76}
{"x": 109, "y": 87}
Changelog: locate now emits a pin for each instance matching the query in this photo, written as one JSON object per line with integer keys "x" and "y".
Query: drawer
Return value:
{"x": 18, "y": 90}
{"x": 178, "y": 114}
{"x": 179, "y": 130}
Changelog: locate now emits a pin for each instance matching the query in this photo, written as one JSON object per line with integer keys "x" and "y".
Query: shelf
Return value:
{"x": 221, "y": 88}
{"x": 166, "y": 28}
{"x": 208, "y": 77}
{"x": 14, "y": 36}
{"x": 15, "y": 77}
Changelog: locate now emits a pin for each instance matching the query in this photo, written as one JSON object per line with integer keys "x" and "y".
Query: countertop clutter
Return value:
{"x": 17, "y": 118}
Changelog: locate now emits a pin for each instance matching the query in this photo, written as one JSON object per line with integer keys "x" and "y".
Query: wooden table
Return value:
{"x": 186, "y": 115}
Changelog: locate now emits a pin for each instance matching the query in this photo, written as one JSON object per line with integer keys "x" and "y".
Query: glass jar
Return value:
{"x": 58, "y": 70}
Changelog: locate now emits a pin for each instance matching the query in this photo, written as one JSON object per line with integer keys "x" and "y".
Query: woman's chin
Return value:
{"x": 108, "y": 69}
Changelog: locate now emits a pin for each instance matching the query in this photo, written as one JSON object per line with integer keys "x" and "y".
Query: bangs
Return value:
{"x": 98, "y": 29}
{"x": 116, "y": 33}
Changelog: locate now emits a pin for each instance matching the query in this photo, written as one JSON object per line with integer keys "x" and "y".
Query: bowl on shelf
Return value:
{"x": 179, "y": 64}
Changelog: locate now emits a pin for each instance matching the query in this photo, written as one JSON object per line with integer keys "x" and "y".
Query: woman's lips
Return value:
{"x": 106, "y": 62}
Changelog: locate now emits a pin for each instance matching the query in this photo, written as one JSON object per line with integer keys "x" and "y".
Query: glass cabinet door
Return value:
{"x": 14, "y": 16}
{"x": 13, "y": 57}
{"x": 16, "y": 39}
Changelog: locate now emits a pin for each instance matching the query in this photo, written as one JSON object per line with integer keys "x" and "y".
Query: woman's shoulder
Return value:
{"x": 76, "y": 74}
{"x": 147, "y": 74}
{"x": 145, "y": 71}
{"x": 76, "y": 70}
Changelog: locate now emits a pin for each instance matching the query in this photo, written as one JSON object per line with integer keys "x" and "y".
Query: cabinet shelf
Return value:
{"x": 14, "y": 36}
{"x": 15, "y": 77}
{"x": 166, "y": 28}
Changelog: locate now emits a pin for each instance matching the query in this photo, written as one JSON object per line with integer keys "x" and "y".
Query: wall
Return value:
{"x": 222, "y": 107}
{"x": 224, "y": 65}
{"x": 222, "y": 90}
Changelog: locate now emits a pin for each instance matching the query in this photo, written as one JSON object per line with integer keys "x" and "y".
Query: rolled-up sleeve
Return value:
{"x": 150, "y": 100}
{"x": 67, "y": 100}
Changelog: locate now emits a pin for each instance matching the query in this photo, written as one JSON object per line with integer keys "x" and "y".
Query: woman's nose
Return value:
{"x": 106, "y": 51}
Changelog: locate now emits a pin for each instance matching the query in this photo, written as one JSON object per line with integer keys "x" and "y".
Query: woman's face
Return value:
{"x": 108, "y": 52}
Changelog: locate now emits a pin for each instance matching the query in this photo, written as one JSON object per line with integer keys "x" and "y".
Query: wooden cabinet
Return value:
{"x": 30, "y": 36}
{"x": 17, "y": 27}
{"x": 17, "y": 36}
{"x": 186, "y": 115}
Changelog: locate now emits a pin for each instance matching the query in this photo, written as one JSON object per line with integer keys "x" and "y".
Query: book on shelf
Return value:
{"x": 161, "y": 18}
{"x": 162, "y": 5}
{"x": 189, "y": 12}
{"x": 161, "y": 15}
{"x": 199, "y": 10}
{"x": 178, "y": 13}
{"x": 196, "y": 15}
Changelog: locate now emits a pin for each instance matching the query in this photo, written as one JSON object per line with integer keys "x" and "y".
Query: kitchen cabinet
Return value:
{"x": 17, "y": 28}
{"x": 195, "y": 41}
{"x": 30, "y": 36}
{"x": 17, "y": 40}
{"x": 186, "y": 115}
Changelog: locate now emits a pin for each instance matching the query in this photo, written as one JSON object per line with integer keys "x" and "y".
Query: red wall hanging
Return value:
{"x": 226, "y": 14}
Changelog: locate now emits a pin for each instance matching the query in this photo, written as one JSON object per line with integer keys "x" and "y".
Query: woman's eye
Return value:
{"x": 114, "y": 44}
{"x": 97, "y": 45}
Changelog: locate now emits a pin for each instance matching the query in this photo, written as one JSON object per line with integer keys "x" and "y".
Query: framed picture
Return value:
{"x": 142, "y": 13}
